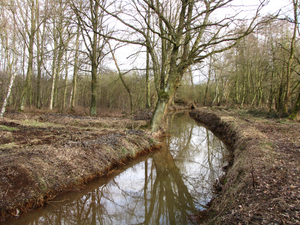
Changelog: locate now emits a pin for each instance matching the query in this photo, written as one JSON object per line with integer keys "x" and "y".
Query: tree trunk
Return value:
{"x": 39, "y": 57}
{"x": 166, "y": 96}
{"x": 206, "y": 88}
{"x": 26, "y": 94}
{"x": 158, "y": 114}
{"x": 12, "y": 78}
{"x": 148, "y": 93}
{"x": 66, "y": 84}
{"x": 271, "y": 95}
{"x": 291, "y": 57}
{"x": 124, "y": 84}
{"x": 216, "y": 98}
{"x": 280, "y": 96}
{"x": 93, "y": 108}
{"x": 148, "y": 101}
{"x": 236, "y": 90}
{"x": 53, "y": 68}
{"x": 296, "y": 110}
{"x": 74, "y": 83}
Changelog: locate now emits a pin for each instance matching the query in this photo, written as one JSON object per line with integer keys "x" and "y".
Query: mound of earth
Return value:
{"x": 44, "y": 155}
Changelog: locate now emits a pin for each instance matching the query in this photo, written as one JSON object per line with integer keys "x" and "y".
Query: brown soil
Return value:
{"x": 44, "y": 155}
{"x": 263, "y": 184}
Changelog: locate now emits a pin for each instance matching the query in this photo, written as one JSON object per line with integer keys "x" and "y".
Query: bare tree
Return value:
{"x": 291, "y": 58}
{"x": 31, "y": 32}
{"x": 9, "y": 43}
{"x": 91, "y": 18}
{"x": 12, "y": 78}
{"x": 186, "y": 33}
{"x": 41, "y": 39}
{"x": 75, "y": 70}
{"x": 62, "y": 35}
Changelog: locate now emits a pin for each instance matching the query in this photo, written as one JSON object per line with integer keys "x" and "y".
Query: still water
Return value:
{"x": 168, "y": 186}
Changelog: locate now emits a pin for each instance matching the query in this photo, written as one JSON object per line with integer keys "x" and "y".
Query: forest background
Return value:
{"x": 97, "y": 57}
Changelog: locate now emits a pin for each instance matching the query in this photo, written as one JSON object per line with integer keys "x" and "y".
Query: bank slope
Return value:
{"x": 39, "y": 162}
{"x": 262, "y": 186}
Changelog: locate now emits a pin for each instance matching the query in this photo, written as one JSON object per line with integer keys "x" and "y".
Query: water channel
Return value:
{"x": 167, "y": 186}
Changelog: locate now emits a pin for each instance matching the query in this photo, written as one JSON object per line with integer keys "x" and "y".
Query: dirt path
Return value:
{"x": 44, "y": 155}
{"x": 263, "y": 184}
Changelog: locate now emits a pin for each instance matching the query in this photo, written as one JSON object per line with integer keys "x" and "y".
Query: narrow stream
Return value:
{"x": 168, "y": 186}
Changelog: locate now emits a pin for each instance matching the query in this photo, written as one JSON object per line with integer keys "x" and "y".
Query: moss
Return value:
{"x": 3, "y": 127}
{"x": 243, "y": 147}
{"x": 163, "y": 95}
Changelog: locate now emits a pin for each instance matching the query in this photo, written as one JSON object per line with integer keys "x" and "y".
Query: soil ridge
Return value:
{"x": 39, "y": 160}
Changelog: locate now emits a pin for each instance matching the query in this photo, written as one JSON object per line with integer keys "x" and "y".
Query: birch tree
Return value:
{"x": 9, "y": 42}
{"x": 3, "y": 108}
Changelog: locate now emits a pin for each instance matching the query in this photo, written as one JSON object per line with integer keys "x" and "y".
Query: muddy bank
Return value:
{"x": 262, "y": 186}
{"x": 42, "y": 156}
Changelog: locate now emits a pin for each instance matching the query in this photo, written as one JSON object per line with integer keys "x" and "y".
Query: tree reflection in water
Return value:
{"x": 167, "y": 187}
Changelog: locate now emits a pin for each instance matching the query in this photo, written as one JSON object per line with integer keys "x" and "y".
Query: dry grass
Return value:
{"x": 48, "y": 154}
{"x": 262, "y": 186}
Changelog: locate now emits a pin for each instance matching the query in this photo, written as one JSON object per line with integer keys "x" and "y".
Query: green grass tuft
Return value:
{"x": 3, "y": 127}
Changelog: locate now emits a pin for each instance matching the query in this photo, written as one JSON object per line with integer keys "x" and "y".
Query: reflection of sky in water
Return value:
{"x": 201, "y": 164}
{"x": 178, "y": 182}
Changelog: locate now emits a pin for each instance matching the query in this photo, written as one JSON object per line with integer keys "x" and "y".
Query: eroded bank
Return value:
{"x": 261, "y": 186}
{"x": 40, "y": 160}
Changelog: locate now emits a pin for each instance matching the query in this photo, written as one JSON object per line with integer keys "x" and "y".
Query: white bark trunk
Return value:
{"x": 8, "y": 94}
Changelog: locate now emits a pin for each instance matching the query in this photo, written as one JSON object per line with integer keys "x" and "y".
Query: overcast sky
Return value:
{"x": 246, "y": 7}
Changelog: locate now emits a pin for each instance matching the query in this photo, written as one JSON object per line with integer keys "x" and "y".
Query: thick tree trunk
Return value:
{"x": 158, "y": 114}
{"x": 291, "y": 57}
{"x": 164, "y": 99}
{"x": 296, "y": 110}
{"x": 26, "y": 94}
{"x": 93, "y": 108}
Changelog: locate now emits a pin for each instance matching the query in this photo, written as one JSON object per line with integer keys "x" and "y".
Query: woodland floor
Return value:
{"x": 42, "y": 155}
{"x": 263, "y": 184}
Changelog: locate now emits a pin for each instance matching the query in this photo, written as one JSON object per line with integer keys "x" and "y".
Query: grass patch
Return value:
{"x": 34, "y": 123}
{"x": 264, "y": 113}
{"x": 8, "y": 146}
{"x": 283, "y": 121}
{"x": 268, "y": 144}
{"x": 3, "y": 127}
